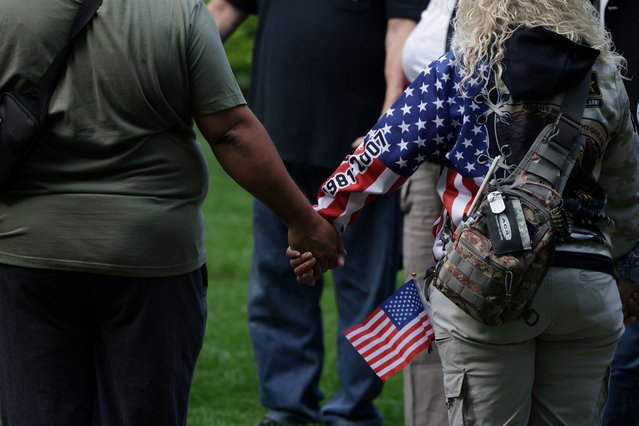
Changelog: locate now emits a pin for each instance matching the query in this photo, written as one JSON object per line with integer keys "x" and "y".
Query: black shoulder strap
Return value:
{"x": 572, "y": 108}
{"x": 554, "y": 160}
{"x": 574, "y": 102}
{"x": 569, "y": 126}
{"x": 49, "y": 79}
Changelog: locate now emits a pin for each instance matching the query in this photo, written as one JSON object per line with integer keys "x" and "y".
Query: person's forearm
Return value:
{"x": 227, "y": 17}
{"x": 245, "y": 151}
{"x": 396, "y": 34}
{"x": 247, "y": 154}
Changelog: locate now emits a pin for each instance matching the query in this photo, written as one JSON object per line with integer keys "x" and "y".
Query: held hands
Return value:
{"x": 304, "y": 266}
{"x": 315, "y": 246}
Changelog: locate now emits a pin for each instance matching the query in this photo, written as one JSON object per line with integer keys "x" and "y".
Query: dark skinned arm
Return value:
{"x": 245, "y": 151}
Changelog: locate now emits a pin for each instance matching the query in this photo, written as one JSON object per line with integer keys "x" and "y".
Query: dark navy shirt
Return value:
{"x": 318, "y": 72}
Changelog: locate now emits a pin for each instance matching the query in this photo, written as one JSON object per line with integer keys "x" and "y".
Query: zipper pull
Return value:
{"x": 508, "y": 285}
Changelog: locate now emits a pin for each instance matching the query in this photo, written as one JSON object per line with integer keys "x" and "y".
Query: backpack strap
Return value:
{"x": 43, "y": 89}
{"x": 86, "y": 12}
{"x": 553, "y": 157}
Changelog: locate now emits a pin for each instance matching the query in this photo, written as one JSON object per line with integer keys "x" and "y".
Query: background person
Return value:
{"x": 623, "y": 399}
{"x": 321, "y": 74}
{"x": 423, "y": 393}
{"x": 476, "y": 102}
{"x": 102, "y": 264}
{"x": 424, "y": 398}
{"x": 617, "y": 17}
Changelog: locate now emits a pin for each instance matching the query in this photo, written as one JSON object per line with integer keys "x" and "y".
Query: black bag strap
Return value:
{"x": 553, "y": 160}
{"x": 49, "y": 79}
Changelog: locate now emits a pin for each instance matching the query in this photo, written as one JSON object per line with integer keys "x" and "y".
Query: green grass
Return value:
{"x": 225, "y": 387}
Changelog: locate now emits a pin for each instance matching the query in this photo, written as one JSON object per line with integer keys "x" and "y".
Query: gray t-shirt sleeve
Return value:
{"x": 212, "y": 85}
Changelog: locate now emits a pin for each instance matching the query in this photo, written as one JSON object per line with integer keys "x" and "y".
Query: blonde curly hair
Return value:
{"x": 483, "y": 26}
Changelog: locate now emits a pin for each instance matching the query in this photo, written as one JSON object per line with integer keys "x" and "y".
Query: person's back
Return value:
{"x": 102, "y": 266}
{"x": 102, "y": 220}
{"x": 119, "y": 138}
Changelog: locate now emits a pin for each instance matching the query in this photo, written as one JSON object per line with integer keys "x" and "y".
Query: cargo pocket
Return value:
{"x": 603, "y": 398}
{"x": 460, "y": 412}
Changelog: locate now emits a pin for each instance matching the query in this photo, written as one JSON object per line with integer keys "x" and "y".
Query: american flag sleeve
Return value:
{"x": 423, "y": 124}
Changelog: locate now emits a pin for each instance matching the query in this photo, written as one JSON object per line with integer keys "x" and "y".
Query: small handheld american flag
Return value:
{"x": 394, "y": 333}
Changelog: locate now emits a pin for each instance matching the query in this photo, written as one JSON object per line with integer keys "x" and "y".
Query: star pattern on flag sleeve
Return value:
{"x": 441, "y": 117}
{"x": 427, "y": 121}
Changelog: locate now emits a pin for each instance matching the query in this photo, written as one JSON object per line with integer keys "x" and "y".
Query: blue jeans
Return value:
{"x": 623, "y": 397}
{"x": 285, "y": 319}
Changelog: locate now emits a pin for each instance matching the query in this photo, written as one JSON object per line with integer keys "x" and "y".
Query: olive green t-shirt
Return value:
{"x": 116, "y": 183}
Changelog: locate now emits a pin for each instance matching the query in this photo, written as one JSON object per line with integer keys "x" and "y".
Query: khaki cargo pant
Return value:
{"x": 553, "y": 373}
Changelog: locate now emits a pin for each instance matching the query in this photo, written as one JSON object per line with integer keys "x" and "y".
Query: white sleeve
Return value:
{"x": 427, "y": 41}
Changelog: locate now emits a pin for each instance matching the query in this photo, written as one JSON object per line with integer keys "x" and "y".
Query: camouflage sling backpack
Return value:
{"x": 501, "y": 252}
